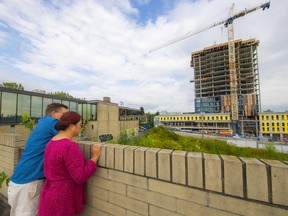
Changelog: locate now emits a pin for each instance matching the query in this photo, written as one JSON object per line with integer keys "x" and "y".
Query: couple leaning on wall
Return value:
{"x": 50, "y": 176}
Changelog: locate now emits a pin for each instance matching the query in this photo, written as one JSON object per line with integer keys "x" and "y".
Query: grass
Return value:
{"x": 160, "y": 137}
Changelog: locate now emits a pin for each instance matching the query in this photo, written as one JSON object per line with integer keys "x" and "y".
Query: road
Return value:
{"x": 205, "y": 136}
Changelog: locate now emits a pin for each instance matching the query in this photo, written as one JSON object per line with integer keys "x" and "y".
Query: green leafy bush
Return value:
{"x": 27, "y": 121}
{"x": 4, "y": 177}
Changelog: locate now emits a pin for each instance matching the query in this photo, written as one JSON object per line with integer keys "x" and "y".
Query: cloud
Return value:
{"x": 93, "y": 49}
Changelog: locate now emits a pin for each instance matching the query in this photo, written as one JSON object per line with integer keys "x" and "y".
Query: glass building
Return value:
{"x": 14, "y": 103}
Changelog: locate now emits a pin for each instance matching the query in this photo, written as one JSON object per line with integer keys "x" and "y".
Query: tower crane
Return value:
{"x": 228, "y": 23}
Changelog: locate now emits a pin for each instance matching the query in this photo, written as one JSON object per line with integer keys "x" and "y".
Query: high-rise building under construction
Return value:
{"x": 212, "y": 82}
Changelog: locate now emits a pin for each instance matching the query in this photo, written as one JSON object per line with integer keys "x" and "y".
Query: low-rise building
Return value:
{"x": 100, "y": 116}
{"x": 195, "y": 122}
{"x": 274, "y": 125}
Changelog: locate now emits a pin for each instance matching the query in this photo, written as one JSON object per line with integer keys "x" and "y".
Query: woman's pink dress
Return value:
{"x": 66, "y": 172}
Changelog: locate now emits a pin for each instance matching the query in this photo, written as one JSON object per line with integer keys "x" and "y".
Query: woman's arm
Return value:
{"x": 79, "y": 170}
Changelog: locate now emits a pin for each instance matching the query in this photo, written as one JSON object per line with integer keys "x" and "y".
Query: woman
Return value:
{"x": 66, "y": 170}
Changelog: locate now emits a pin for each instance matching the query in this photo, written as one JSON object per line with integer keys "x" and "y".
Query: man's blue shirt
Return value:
{"x": 30, "y": 166}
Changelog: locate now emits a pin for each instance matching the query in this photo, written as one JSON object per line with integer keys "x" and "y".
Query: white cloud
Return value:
{"x": 93, "y": 49}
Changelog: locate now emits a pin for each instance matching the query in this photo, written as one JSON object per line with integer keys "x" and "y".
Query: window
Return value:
{"x": 46, "y": 102}
{"x": 88, "y": 112}
{"x": 66, "y": 103}
{"x": 79, "y": 109}
{"x": 8, "y": 107}
{"x": 73, "y": 106}
{"x": 36, "y": 107}
{"x": 84, "y": 111}
{"x": 56, "y": 101}
{"x": 23, "y": 105}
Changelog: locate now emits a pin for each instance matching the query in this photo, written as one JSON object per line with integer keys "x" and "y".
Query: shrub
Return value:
{"x": 160, "y": 137}
{"x": 4, "y": 177}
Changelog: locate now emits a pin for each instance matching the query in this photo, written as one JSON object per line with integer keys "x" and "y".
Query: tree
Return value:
{"x": 12, "y": 85}
{"x": 142, "y": 110}
{"x": 61, "y": 94}
{"x": 149, "y": 117}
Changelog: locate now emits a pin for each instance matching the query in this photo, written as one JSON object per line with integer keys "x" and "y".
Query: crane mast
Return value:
{"x": 232, "y": 70}
{"x": 231, "y": 51}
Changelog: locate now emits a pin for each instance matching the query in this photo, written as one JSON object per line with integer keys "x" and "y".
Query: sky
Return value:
{"x": 100, "y": 48}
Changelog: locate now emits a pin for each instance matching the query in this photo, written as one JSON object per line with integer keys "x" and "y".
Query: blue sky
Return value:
{"x": 92, "y": 48}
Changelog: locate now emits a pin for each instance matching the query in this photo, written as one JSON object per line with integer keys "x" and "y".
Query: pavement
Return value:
{"x": 4, "y": 206}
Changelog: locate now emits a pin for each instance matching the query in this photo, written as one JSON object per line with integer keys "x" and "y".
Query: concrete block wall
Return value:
{"x": 134, "y": 180}
{"x": 15, "y": 129}
{"x": 10, "y": 145}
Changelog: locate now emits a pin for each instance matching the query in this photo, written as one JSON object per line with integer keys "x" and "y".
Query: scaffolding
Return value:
{"x": 212, "y": 79}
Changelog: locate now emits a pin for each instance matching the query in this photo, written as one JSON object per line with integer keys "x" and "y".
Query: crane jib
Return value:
{"x": 225, "y": 22}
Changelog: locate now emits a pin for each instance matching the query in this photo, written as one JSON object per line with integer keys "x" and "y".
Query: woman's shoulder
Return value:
{"x": 62, "y": 145}
{"x": 63, "y": 142}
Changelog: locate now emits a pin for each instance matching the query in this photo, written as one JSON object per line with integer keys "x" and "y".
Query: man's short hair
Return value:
{"x": 54, "y": 107}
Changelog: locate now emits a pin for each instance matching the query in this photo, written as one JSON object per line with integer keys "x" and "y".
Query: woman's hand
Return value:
{"x": 95, "y": 150}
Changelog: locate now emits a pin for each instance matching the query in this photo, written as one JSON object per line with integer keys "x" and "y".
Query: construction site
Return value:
{"x": 213, "y": 87}
{"x": 226, "y": 77}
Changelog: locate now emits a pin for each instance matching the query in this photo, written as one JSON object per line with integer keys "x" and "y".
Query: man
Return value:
{"x": 27, "y": 180}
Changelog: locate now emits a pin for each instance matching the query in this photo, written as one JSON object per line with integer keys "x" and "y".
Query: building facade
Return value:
{"x": 207, "y": 123}
{"x": 274, "y": 125}
{"x": 100, "y": 116}
{"x": 212, "y": 82}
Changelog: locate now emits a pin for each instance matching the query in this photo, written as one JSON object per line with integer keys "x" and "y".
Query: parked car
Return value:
{"x": 147, "y": 127}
